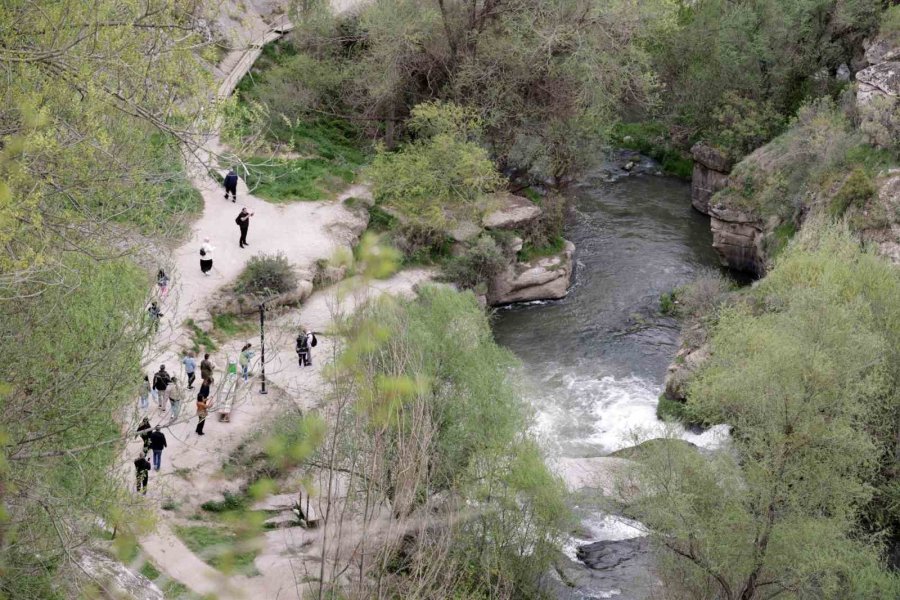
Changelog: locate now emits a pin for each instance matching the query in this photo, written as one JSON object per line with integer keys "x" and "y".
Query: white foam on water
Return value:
{"x": 603, "y": 527}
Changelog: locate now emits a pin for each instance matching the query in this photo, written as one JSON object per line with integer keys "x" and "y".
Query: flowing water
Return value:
{"x": 595, "y": 362}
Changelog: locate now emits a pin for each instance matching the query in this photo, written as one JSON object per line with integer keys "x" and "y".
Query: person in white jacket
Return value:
{"x": 206, "y": 256}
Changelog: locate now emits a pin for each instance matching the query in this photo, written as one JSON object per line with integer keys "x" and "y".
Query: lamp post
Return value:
{"x": 262, "y": 344}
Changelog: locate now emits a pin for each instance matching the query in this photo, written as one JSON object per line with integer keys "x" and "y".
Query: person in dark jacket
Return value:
{"x": 157, "y": 443}
{"x": 143, "y": 431}
{"x": 305, "y": 341}
{"x": 142, "y": 472}
{"x": 155, "y": 315}
{"x": 231, "y": 180}
{"x": 243, "y": 222}
{"x": 161, "y": 381}
{"x": 206, "y": 368}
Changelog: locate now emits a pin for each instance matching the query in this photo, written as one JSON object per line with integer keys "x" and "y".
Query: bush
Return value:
{"x": 478, "y": 264}
{"x": 267, "y": 275}
{"x": 856, "y": 190}
{"x": 742, "y": 125}
{"x": 421, "y": 243}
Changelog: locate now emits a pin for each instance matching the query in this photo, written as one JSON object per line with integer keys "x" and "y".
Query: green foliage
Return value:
{"x": 289, "y": 180}
{"x": 553, "y": 247}
{"x": 267, "y": 275}
{"x": 669, "y": 409}
{"x": 229, "y": 503}
{"x": 478, "y": 264}
{"x": 761, "y": 52}
{"x": 742, "y": 125}
{"x": 60, "y": 437}
{"x": 806, "y": 373}
{"x": 223, "y": 548}
{"x": 667, "y": 303}
{"x": 654, "y": 140}
{"x": 440, "y": 177}
{"x": 889, "y": 26}
{"x": 201, "y": 341}
{"x": 461, "y": 417}
{"x": 856, "y": 190}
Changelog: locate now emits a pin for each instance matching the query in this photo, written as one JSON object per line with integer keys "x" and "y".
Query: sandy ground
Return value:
{"x": 305, "y": 232}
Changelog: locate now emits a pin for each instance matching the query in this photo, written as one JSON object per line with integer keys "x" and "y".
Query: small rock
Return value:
{"x": 629, "y": 165}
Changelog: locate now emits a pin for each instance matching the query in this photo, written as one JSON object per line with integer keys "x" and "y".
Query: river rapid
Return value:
{"x": 594, "y": 363}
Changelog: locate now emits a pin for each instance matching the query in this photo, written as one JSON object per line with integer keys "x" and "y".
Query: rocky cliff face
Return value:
{"x": 711, "y": 169}
{"x": 739, "y": 239}
{"x": 878, "y": 93}
{"x": 884, "y": 235}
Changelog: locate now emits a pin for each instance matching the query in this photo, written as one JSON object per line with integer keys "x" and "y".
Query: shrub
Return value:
{"x": 421, "y": 243}
{"x": 743, "y": 124}
{"x": 478, "y": 264}
{"x": 855, "y": 191}
{"x": 267, "y": 275}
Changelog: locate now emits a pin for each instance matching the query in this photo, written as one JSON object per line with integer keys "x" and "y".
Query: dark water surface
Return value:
{"x": 596, "y": 360}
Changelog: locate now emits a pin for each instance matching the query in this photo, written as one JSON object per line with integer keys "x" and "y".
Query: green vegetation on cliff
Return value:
{"x": 805, "y": 369}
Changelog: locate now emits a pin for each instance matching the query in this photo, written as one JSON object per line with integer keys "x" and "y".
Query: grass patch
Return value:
{"x": 201, "y": 341}
{"x": 529, "y": 252}
{"x": 230, "y": 503}
{"x": 288, "y": 180}
{"x": 780, "y": 238}
{"x": 652, "y": 139}
{"x": 380, "y": 220}
{"x": 219, "y": 547}
{"x": 171, "y": 589}
{"x": 228, "y": 326}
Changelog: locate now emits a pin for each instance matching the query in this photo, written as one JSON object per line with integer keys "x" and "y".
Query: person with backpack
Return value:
{"x": 160, "y": 387}
{"x": 206, "y": 256}
{"x": 231, "y": 181}
{"x": 244, "y": 360}
{"x": 142, "y": 473}
{"x": 305, "y": 342}
{"x": 157, "y": 443}
{"x": 243, "y": 222}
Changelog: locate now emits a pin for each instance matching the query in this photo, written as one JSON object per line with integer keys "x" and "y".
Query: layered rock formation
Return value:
{"x": 878, "y": 93}
{"x": 711, "y": 169}
{"x": 886, "y": 237}
{"x": 738, "y": 238}
{"x": 541, "y": 279}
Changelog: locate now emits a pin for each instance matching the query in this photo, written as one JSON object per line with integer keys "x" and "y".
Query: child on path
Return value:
{"x": 190, "y": 368}
{"x": 146, "y": 389}
{"x": 142, "y": 472}
{"x": 157, "y": 443}
{"x": 162, "y": 280}
{"x": 244, "y": 360}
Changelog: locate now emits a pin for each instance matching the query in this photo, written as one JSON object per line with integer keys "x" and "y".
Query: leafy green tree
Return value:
{"x": 805, "y": 372}
{"x": 441, "y": 176}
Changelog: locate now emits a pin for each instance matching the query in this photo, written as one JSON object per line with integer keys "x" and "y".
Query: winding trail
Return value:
{"x": 305, "y": 231}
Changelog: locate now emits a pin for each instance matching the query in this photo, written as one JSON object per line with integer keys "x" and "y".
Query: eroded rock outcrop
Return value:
{"x": 118, "y": 581}
{"x": 878, "y": 93}
{"x": 711, "y": 169}
{"x": 510, "y": 212}
{"x": 682, "y": 369}
{"x": 540, "y": 279}
{"x": 885, "y": 237}
{"x": 739, "y": 239}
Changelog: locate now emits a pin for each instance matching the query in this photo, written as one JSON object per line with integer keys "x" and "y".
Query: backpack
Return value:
{"x": 237, "y": 219}
{"x": 160, "y": 381}
{"x": 202, "y": 252}
{"x": 302, "y": 343}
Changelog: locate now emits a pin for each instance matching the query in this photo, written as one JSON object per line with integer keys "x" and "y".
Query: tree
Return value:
{"x": 805, "y": 373}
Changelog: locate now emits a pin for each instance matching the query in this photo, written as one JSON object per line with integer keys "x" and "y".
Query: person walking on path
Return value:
{"x": 206, "y": 367}
{"x": 176, "y": 395}
{"x": 305, "y": 341}
{"x": 244, "y": 360}
{"x": 143, "y": 430}
{"x": 202, "y": 411}
{"x": 206, "y": 256}
{"x": 231, "y": 180}
{"x": 146, "y": 389}
{"x": 160, "y": 387}
{"x": 155, "y": 315}
{"x": 190, "y": 368}
{"x": 157, "y": 443}
{"x": 243, "y": 222}
{"x": 142, "y": 472}
{"x": 162, "y": 280}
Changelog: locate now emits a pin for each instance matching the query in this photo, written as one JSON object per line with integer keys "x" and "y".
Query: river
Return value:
{"x": 594, "y": 363}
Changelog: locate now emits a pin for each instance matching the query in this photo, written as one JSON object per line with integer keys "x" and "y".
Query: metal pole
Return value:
{"x": 262, "y": 343}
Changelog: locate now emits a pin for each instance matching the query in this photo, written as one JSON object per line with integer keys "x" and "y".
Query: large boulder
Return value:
{"x": 711, "y": 169}
{"x": 541, "y": 279}
{"x": 508, "y": 211}
{"x": 739, "y": 239}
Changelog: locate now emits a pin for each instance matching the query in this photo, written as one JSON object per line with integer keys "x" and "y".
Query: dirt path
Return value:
{"x": 305, "y": 232}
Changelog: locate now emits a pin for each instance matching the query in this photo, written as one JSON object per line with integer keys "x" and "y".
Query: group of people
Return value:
{"x": 168, "y": 394}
